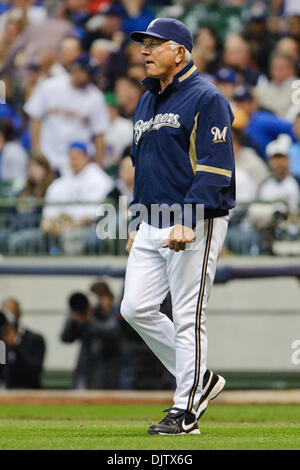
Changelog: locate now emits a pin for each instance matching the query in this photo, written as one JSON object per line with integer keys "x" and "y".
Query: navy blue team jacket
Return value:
{"x": 182, "y": 149}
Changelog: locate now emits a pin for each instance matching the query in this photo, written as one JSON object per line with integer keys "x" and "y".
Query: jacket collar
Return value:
{"x": 153, "y": 84}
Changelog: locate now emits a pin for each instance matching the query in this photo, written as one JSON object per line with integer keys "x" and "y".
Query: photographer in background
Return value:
{"x": 25, "y": 350}
{"x": 3, "y": 322}
{"x": 98, "y": 364}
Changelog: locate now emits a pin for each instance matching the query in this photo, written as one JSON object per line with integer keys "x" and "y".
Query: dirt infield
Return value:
{"x": 126, "y": 397}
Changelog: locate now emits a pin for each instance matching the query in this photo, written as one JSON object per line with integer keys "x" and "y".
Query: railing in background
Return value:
{"x": 21, "y": 232}
{"x": 253, "y": 230}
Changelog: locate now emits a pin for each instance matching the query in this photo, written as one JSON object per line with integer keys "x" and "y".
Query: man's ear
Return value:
{"x": 180, "y": 55}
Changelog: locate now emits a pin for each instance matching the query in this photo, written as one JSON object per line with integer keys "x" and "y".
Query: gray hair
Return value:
{"x": 187, "y": 56}
{"x": 104, "y": 44}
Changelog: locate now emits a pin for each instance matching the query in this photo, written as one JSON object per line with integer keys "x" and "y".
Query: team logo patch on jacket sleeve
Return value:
{"x": 219, "y": 136}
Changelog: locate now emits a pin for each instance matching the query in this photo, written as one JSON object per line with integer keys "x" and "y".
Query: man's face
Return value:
{"x": 280, "y": 166}
{"x": 79, "y": 78}
{"x": 12, "y": 307}
{"x": 106, "y": 302}
{"x": 69, "y": 51}
{"x": 78, "y": 160}
{"x": 236, "y": 53}
{"x": 281, "y": 69}
{"x": 159, "y": 57}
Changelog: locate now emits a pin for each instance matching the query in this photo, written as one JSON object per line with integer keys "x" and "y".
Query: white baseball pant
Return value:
{"x": 151, "y": 272}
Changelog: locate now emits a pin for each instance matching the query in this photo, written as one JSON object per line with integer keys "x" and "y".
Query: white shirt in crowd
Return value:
{"x": 34, "y": 15}
{"x": 14, "y": 162}
{"x": 286, "y": 190}
{"x": 91, "y": 184}
{"x": 248, "y": 160}
{"x": 276, "y": 97}
{"x": 117, "y": 138}
{"x": 66, "y": 114}
{"x": 291, "y": 7}
{"x": 245, "y": 187}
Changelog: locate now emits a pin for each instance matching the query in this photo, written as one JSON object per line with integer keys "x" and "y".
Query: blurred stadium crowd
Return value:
{"x": 70, "y": 82}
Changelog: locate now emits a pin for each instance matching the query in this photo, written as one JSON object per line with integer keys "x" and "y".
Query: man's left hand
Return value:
{"x": 179, "y": 237}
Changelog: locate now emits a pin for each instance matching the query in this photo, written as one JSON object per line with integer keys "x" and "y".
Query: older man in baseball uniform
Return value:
{"x": 183, "y": 156}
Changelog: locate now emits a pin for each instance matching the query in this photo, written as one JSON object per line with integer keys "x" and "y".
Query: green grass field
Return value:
{"x": 125, "y": 427}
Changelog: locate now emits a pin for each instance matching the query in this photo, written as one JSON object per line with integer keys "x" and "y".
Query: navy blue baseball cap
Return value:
{"x": 243, "y": 93}
{"x": 88, "y": 64}
{"x": 226, "y": 75}
{"x": 169, "y": 29}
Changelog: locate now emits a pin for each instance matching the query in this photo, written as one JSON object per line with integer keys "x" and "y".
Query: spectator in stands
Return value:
{"x": 45, "y": 66}
{"x": 95, "y": 6}
{"x": 245, "y": 187}
{"x": 128, "y": 92}
{"x": 200, "y": 60}
{"x": 101, "y": 51}
{"x": 293, "y": 26}
{"x": 280, "y": 185}
{"x": 70, "y": 50}
{"x": 276, "y": 95}
{"x": 118, "y": 136}
{"x": 12, "y": 30}
{"x": 3, "y": 322}
{"x": 89, "y": 184}
{"x": 125, "y": 181}
{"x": 237, "y": 56}
{"x": 25, "y": 350}
{"x": 290, "y": 46}
{"x": 21, "y": 233}
{"x": 226, "y": 81}
{"x": 260, "y": 40}
{"x": 137, "y": 15}
{"x": 12, "y": 310}
{"x": 34, "y": 39}
{"x": 137, "y": 72}
{"x": 133, "y": 54}
{"x": 98, "y": 365}
{"x": 262, "y": 126}
{"x": 76, "y": 12}
{"x": 29, "y": 206}
{"x": 249, "y": 169}
{"x": 206, "y": 44}
{"x": 34, "y": 77}
{"x": 25, "y": 11}
{"x": 286, "y": 7}
{"x": 64, "y": 108}
{"x": 9, "y": 111}
{"x": 13, "y": 160}
{"x": 106, "y": 25}
{"x": 247, "y": 159}
{"x": 40, "y": 176}
{"x": 294, "y": 151}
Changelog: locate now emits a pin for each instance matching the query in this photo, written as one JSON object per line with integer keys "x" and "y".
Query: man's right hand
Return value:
{"x": 130, "y": 241}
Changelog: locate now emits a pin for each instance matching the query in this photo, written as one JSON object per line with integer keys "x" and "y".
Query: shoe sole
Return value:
{"x": 196, "y": 431}
{"x": 217, "y": 389}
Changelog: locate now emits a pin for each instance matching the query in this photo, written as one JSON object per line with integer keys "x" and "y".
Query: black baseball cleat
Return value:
{"x": 213, "y": 384}
{"x": 176, "y": 422}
